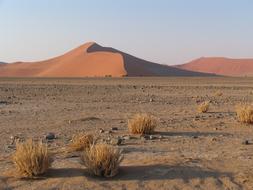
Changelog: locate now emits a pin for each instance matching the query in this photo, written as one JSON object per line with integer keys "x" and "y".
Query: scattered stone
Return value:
{"x": 197, "y": 118}
{"x": 216, "y": 129}
{"x": 148, "y": 137}
{"x": 90, "y": 119}
{"x": 160, "y": 137}
{"x": 246, "y": 142}
{"x": 3, "y": 102}
{"x": 214, "y": 139}
{"x": 143, "y": 137}
{"x": 108, "y": 132}
{"x": 50, "y": 136}
{"x": 101, "y": 131}
{"x": 14, "y": 139}
{"x": 114, "y": 128}
{"x": 151, "y": 100}
{"x": 126, "y": 137}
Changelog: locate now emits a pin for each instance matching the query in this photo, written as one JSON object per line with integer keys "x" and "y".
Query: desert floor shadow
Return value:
{"x": 192, "y": 134}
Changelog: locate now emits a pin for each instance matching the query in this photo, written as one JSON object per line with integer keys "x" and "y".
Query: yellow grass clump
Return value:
{"x": 102, "y": 160}
{"x": 142, "y": 124}
{"x": 81, "y": 141}
{"x": 245, "y": 113}
{"x": 31, "y": 159}
{"x": 204, "y": 107}
{"x": 218, "y": 94}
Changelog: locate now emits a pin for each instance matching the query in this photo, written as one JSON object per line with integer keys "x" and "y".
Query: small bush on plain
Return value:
{"x": 102, "y": 160}
{"x": 31, "y": 159}
{"x": 142, "y": 124}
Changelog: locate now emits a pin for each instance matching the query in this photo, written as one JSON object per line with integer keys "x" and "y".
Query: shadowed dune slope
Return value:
{"x": 138, "y": 67}
{"x": 221, "y": 66}
{"x": 92, "y": 60}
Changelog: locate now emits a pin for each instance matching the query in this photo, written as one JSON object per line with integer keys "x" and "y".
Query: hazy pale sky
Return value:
{"x": 163, "y": 31}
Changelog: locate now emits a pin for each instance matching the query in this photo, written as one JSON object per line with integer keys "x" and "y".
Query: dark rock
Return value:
{"x": 246, "y": 142}
{"x": 50, "y": 136}
{"x": 114, "y": 128}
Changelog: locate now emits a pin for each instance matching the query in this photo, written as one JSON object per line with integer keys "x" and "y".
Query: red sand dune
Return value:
{"x": 221, "y": 66}
{"x": 92, "y": 60}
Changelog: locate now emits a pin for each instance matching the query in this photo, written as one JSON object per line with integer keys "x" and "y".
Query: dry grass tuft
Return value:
{"x": 31, "y": 159}
{"x": 102, "y": 160}
{"x": 142, "y": 124}
{"x": 218, "y": 94}
{"x": 245, "y": 113}
{"x": 204, "y": 107}
{"x": 81, "y": 142}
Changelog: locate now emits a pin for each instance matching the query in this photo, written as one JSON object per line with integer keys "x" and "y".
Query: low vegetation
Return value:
{"x": 204, "y": 107}
{"x": 245, "y": 113}
{"x": 102, "y": 160}
{"x": 218, "y": 94}
{"x": 142, "y": 124}
{"x": 31, "y": 159}
{"x": 81, "y": 141}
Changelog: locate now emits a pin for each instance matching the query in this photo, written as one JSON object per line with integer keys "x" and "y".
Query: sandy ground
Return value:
{"x": 191, "y": 151}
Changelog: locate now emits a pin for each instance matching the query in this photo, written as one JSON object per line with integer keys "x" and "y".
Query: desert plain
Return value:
{"x": 189, "y": 150}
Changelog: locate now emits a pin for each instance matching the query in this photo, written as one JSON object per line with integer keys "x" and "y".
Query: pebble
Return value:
{"x": 101, "y": 131}
{"x": 126, "y": 137}
{"x": 108, "y": 132}
{"x": 246, "y": 142}
{"x": 117, "y": 141}
{"x": 114, "y": 128}
{"x": 50, "y": 136}
{"x": 214, "y": 139}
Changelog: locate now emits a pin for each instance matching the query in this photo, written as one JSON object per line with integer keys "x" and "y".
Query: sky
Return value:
{"x": 163, "y": 31}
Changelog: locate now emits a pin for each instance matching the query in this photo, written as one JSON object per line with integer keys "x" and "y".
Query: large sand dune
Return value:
{"x": 92, "y": 60}
{"x": 221, "y": 66}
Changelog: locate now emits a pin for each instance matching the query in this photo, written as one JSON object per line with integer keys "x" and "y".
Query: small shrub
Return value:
{"x": 31, "y": 158}
{"x": 204, "y": 107}
{"x": 102, "y": 160}
{"x": 81, "y": 141}
{"x": 142, "y": 124}
{"x": 245, "y": 113}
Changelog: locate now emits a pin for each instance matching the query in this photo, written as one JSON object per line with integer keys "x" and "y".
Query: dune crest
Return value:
{"x": 221, "y": 66}
{"x": 92, "y": 60}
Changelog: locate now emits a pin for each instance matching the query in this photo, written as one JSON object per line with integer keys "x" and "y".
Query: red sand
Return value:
{"x": 221, "y": 66}
{"x": 92, "y": 60}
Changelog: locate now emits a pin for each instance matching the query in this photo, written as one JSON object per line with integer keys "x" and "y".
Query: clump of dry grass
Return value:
{"x": 218, "y": 94}
{"x": 31, "y": 158}
{"x": 102, "y": 160}
{"x": 245, "y": 113}
{"x": 204, "y": 107}
{"x": 81, "y": 141}
{"x": 142, "y": 124}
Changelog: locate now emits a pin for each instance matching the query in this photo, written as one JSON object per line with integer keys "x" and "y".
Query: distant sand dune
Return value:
{"x": 92, "y": 60}
{"x": 221, "y": 66}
